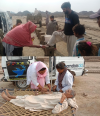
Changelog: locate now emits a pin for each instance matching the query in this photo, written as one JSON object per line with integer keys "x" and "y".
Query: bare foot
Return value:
{"x": 8, "y": 93}
{"x": 4, "y": 96}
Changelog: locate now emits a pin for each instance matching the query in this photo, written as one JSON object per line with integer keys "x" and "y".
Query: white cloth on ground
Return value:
{"x": 60, "y": 36}
{"x": 32, "y": 75}
{"x": 40, "y": 102}
{"x": 67, "y": 82}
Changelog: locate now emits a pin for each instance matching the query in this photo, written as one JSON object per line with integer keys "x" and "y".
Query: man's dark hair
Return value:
{"x": 18, "y": 21}
{"x": 52, "y": 16}
{"x": 79, "y": 29}
{"x": 60, "y": 65}
{"x": 66, "y": 5}
{"x": 42, "y": 69}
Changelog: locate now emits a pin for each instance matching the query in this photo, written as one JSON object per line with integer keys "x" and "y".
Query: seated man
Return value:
{"x": 44, "y": 101}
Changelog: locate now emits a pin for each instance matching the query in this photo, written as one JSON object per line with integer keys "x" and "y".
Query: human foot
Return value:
{"x": 8, "y": 93}
{"x": 4, "y": 96}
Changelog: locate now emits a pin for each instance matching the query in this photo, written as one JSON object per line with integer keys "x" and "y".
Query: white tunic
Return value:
{"x": 67, "y": 82}
{"x": 32, "y": 75}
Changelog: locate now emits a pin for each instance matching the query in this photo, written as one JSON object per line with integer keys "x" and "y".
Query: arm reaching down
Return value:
{"x": 37, "y": 46}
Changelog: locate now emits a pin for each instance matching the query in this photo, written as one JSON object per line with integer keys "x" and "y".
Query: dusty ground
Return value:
{"x": 89, "y": 105}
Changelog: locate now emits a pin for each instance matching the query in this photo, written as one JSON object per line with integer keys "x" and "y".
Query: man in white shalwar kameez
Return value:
{"x": 56, "y": 101}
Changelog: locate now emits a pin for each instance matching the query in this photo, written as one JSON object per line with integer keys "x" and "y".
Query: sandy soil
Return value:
{"x": 88, "y": 94}
{"x": 86, "y": 22}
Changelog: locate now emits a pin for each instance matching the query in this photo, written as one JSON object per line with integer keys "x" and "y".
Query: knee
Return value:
{"x": 55, "y": 33}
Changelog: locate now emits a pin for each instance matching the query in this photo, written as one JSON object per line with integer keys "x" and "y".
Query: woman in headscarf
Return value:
{"x": 37, "y": 75}
{"x": 64, "y": 80}
{"x": 17, "y": 38}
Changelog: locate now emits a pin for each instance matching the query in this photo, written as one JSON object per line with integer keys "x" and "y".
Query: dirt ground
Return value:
{"x": 88, "y": 95}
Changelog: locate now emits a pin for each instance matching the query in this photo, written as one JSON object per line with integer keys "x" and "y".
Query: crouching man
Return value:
{"x": 56, "y": 101}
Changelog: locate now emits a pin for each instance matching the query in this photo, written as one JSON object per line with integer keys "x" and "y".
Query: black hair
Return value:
{"x": 52, "y": 16}
{"x": 18, "y": 21}
{"x": 42, "y": 69}
{"x": 60, "y": 65}
{"x": 89, "y": 50}
{"x": 66, "y": 5}
{"x": 79, "y": 29}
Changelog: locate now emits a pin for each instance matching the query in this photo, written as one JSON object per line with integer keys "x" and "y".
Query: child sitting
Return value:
{"x": 79, "y": 31}
{"x": 86, "y": 48}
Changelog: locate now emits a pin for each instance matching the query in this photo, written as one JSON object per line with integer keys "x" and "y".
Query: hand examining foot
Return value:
{"x": 44, "y": 90}
{"x": 61, "y": 91}
{"x": 54, "y": 87}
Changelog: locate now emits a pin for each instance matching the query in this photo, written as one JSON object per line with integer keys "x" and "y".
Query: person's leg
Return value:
{"x": 4, "y": 96}
{"x": 56, "y": 37}
{"x": 62, "y": 98}
{"x": 55, "y": 46}
{"x": 70, "y": 44}
{"x": 1, "y": 49}
{"x": 15, "y": 52}
{"x": 12, "y": 97}
{"x": 4, "y": 54}
{"x": 20, "y": 51}
{"x": 62, "y": 105}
